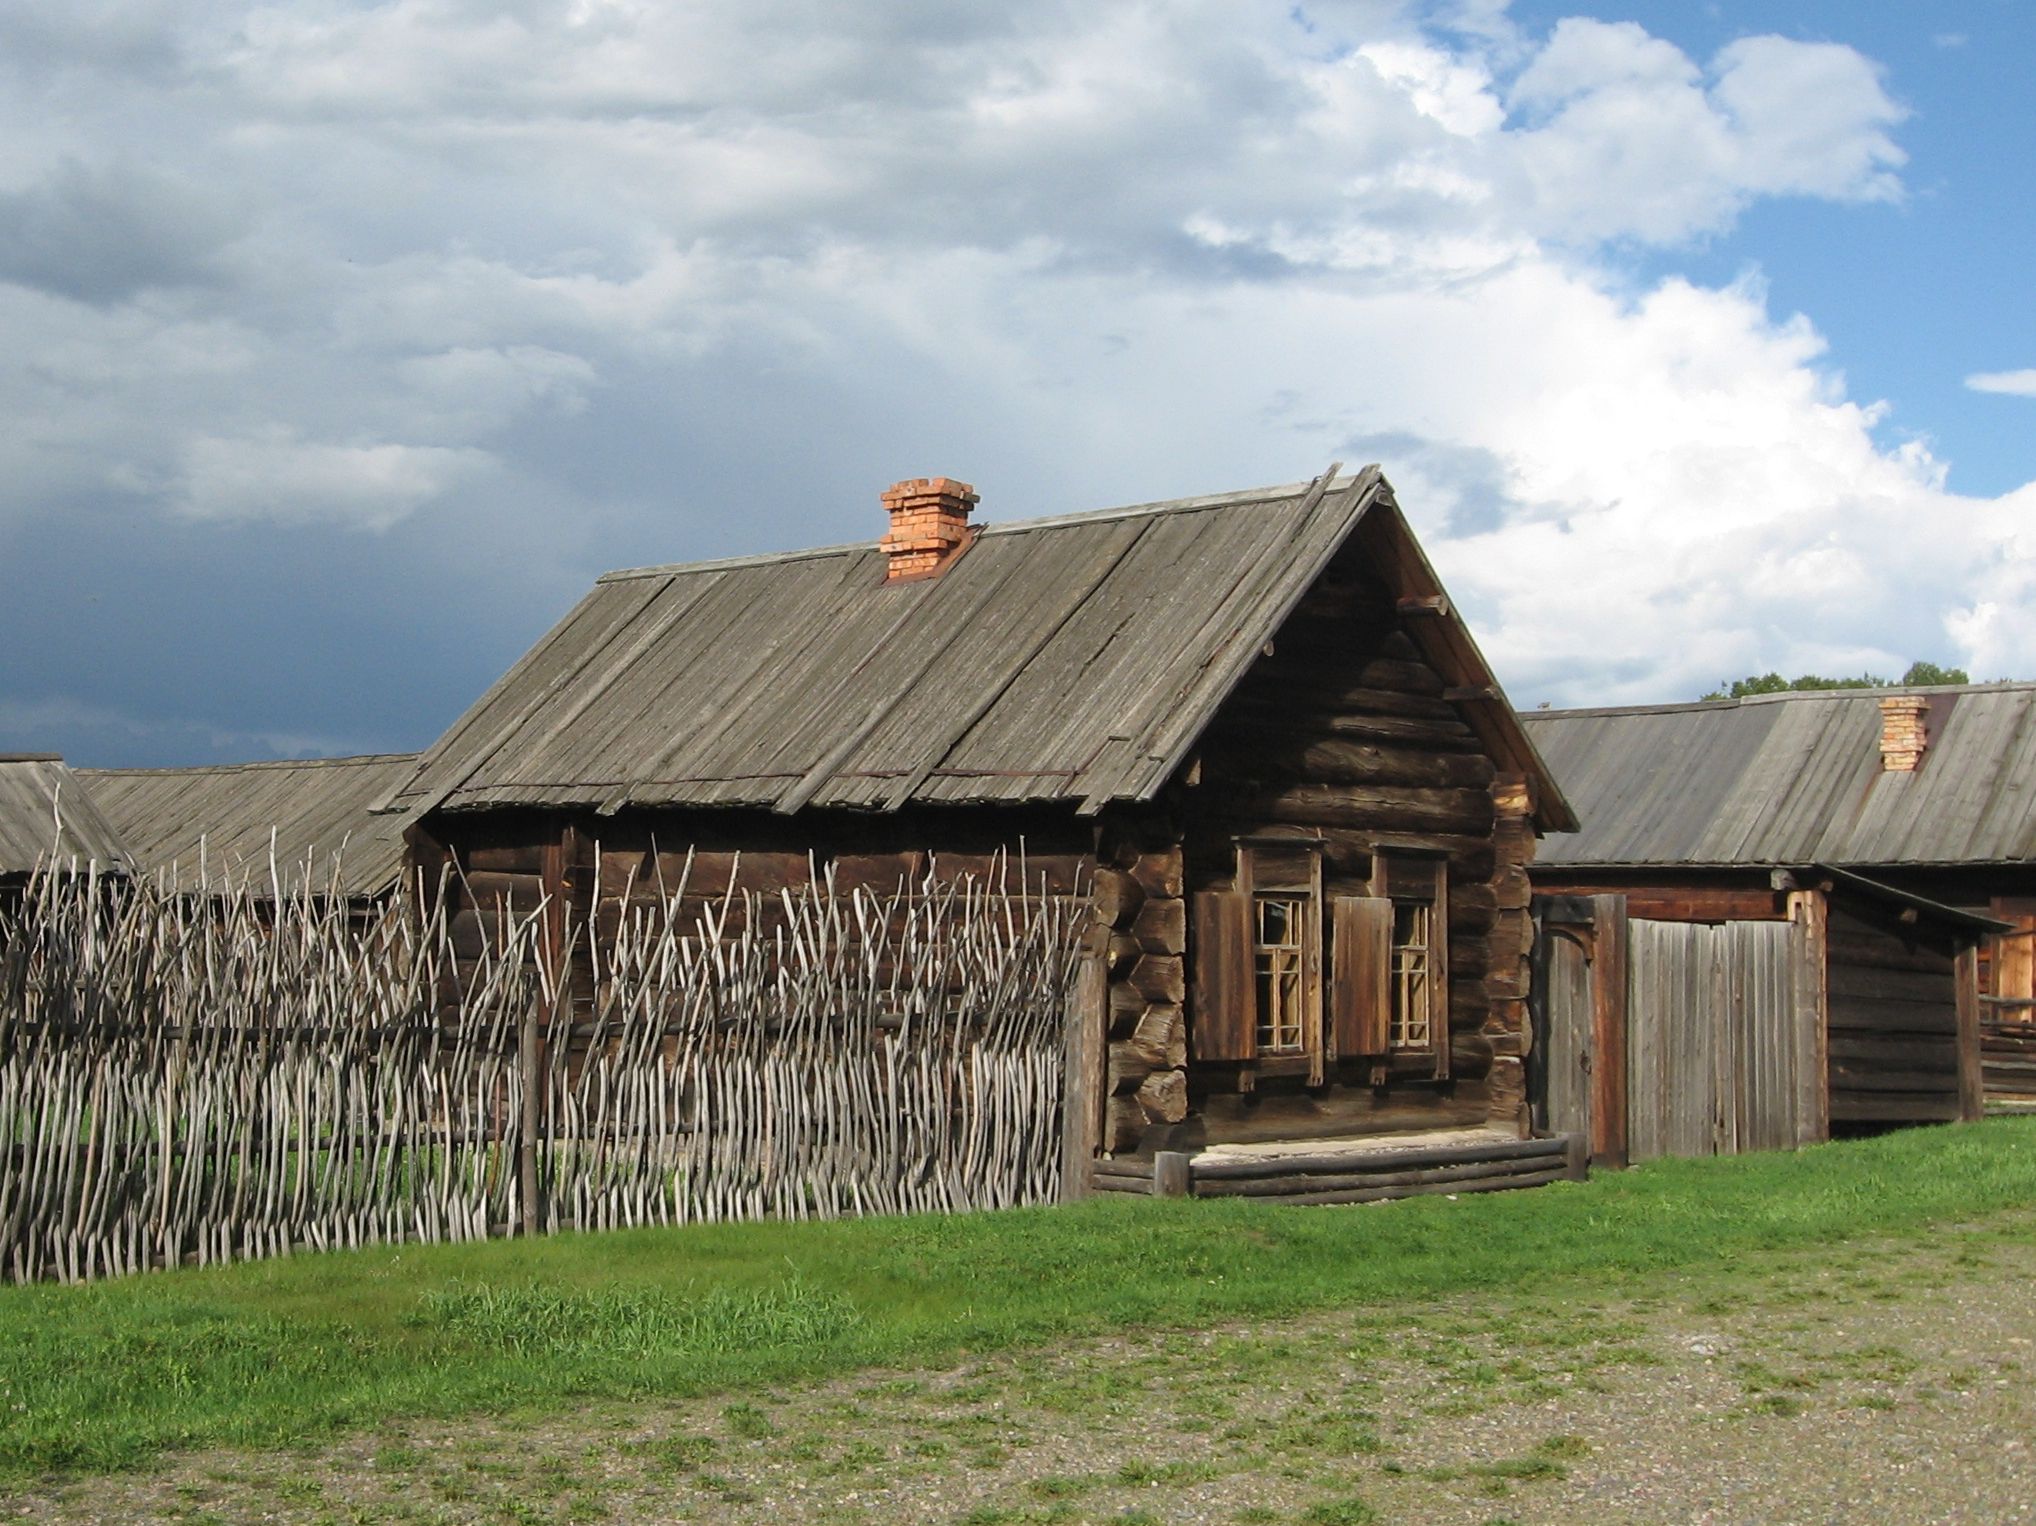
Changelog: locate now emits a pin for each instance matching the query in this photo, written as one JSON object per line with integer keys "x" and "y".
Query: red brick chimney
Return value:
{"x": 1904, "y": 732}
{"x": 929, "y": 526}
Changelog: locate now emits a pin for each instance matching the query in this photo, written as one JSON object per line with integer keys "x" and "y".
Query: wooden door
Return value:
{"x": 1577, "y": 1064}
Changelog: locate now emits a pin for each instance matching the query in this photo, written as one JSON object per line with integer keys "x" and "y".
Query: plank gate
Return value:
{"x": 1715, "y": 1048}
{"x": 1671, "y": 1038}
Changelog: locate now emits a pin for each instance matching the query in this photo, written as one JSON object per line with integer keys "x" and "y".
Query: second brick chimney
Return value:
{"x": 929, "y": 526}
{"x": 1904, "y": 732}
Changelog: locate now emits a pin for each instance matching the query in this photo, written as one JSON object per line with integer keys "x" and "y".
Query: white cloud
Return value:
{"x": 563, "y": 282}
{"x": 2013, "y": 383}
{"x": 295, "y": 481}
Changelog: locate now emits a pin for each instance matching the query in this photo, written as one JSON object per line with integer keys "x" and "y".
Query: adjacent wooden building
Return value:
{"x": 1251, "y": 729}
{"x": 49, "y": 818}
{"x": 1808, "y": 908}
{"x": 261, "y": 826}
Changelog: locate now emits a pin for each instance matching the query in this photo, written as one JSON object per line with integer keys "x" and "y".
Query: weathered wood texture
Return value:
{"x": 1341, "y": 736}
{"x": 213, "y": 1078}
{"x": 1713, "y": 1040}
{"x": 1894, "y": 1026}
{"x": 1140, "y": 899}
{"x": 2007, "y": 1009}
{"x": 1354, "y": 1174}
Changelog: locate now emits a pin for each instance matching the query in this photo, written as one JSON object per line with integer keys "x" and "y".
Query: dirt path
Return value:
{"x": 1859, "y": 1383}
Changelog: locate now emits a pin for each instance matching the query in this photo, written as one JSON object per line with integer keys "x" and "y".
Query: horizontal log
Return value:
{"x": 1931, "y": 1053}
{"x": 1359, "y": 720}
{"x": 1859, "y": 1076}
{"x": 1161, "y": 926}
{"x": 1451, "y": 812}
{"x": 1128, "y": 1067}
{"x": 1426, "y": 1158}
{"x": 883, "y": 873}
{"x": 1159, "y": 873}
{"x": 1388, "y": 1194}
{"x": 1128, "y": 1185}
{"x": 1344, "y": 760}
{"x": 1159, "y": 978}
{"x": 1127, "y": 1006}
{"x": 1117, "y": 897}
{"x": 1123, "y": 952}
{"x": 491, "y": 888}
{"x": 1162, "y": 1034}
{"x": 1470, "y": 1056}
{"x": 1927, "y": 987}
{"x": 1335, "y": 1112}
{"x": 1031, "y": 873}
{"x": 1124, "y": 1125}
{"x": 1869, "y": 1015}
{"x": 1297, "y": 1185}
{"x": 509, "y": 858}
{"x": 1164, "y": 1096}
{"x": 1868, "y": 1107}
{"x": 1874, "y": 952}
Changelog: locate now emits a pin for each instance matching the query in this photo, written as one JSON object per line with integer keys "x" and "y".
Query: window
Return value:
{"x": 1417, "y": 1028}
{"x": 1290, "y": 980}
{"x": 1279, "y": 947}
{"x": 1413, "y": 1007}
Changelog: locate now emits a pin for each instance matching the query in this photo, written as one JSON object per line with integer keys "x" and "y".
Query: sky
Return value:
{"x": 342, "y": 345}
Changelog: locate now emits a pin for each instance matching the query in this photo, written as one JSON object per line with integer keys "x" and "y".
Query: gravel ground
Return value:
{"x": 1861, "y": 1382}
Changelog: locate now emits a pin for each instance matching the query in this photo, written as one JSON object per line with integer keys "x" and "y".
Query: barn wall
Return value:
{"x": 1343, "y": 734}
{"x": 1893, "y": 1026}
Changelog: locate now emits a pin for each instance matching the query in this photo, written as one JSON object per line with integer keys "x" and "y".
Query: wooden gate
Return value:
{"x": 1577, "y": 1065}
{"x": 1718, "y": 1049}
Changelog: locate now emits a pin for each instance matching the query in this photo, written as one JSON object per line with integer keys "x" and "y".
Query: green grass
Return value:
{"x": 280, "y": 1352}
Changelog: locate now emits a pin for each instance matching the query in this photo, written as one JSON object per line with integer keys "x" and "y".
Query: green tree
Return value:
{"x": 1919, "y": 675}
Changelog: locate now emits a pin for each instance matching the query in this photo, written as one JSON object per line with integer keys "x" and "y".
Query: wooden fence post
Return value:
{"x": 1971, "y": 1071}
{"x": 1171, "y": 1176}
{"x": 1082, "y": 1106}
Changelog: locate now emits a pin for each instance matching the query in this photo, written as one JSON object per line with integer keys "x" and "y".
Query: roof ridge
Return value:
{"x": 347, "y": 760}
{"x": 1005, "y": 527}
{"x": 1672, "y": 707}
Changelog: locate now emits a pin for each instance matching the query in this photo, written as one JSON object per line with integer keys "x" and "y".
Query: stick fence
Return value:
{"x": 254, "y": 1070}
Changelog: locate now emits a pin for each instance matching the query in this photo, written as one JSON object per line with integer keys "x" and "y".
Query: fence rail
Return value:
{"x": 205, "y": 1078}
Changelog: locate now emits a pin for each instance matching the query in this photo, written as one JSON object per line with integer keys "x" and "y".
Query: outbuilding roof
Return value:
{"x": 199, "y": 825}
{"x": 1071, "y": 660}
{"x": 48, "y": 814}
{"x": 1795, "y": 778}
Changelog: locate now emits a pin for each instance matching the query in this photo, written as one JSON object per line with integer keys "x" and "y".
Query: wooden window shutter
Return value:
{"x": 1360, "y": 974}
{"x": 1225, "y": 1025}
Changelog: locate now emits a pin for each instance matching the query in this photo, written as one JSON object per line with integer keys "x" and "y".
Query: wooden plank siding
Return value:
{"x": 1713, "y": 1044}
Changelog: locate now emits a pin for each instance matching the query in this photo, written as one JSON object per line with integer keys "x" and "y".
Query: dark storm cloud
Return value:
{"x": 103, "y": 235}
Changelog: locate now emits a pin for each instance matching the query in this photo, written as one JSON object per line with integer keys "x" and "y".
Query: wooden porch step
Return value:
{"x": 1359, "y": 1173}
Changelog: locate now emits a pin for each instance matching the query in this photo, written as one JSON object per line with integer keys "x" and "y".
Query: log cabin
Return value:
{"x": 261, "y": 826}
{"x": 1250, "y": 729}
{"x": 1873, "y": 851}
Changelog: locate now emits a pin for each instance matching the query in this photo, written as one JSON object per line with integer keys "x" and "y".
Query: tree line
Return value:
{"x": 1919, "y": 675}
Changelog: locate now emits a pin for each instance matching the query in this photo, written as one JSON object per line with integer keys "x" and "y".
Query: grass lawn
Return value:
{"x": 272, "y": 1353}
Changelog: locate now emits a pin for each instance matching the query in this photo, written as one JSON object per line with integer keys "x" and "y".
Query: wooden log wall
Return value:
{"x": 1140, "y": 884}
{"x": 1894, "y": 1048}
{"x": 1342, "y": 734}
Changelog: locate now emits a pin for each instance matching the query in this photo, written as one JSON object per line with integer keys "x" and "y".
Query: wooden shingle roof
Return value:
{"x": 199, "y": 825}
{"x": 47, "y": 813}
{"x": 1072, "y": 660}
{"x": 1790, "y": 779}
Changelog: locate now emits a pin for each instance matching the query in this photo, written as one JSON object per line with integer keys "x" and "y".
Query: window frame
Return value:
{"x": 1417, "y": 878}
{"x": 1298, "y": 881}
